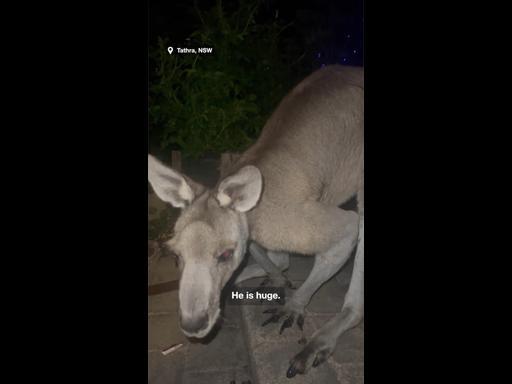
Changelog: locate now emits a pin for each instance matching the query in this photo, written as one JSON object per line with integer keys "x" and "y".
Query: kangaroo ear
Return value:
{"x": 242, "y": 190}
{"x": 170, "y": 186}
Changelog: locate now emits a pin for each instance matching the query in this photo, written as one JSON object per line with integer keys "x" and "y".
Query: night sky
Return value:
{"x": 336, "y": 26}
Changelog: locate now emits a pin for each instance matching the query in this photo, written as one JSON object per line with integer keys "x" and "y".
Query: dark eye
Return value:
{"x": 225, "y": 256}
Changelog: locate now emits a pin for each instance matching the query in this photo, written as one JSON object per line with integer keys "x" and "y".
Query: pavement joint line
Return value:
{"x": 212, "y": 370}
{"x": 244, "y": 326}
{"x": 267, "y": 342}
{"x": 160, "y": 313}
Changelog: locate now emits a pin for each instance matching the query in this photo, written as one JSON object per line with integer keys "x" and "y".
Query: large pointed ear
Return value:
{"x": 170, "y": 186}
{"x": 242, "y": 190}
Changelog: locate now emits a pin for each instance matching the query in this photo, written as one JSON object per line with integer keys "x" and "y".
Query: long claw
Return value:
{"x": 287, "y": 323}
{"x": 291, "y": 372}
{"x": 320, "y": 358}
{"x": 274, "y": 319}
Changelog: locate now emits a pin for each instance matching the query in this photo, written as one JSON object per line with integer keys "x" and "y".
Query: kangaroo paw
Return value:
{"x": 314, "y": 353}
{"x": 291, "y": 316}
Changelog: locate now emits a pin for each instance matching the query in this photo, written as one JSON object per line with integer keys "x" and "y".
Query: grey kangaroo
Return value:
{"x": 281, "y": 195}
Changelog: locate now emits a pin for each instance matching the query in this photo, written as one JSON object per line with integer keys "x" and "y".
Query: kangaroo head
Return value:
{"x": 210, "y": 237}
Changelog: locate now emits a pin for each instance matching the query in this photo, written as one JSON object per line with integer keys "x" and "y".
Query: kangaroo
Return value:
{"x": 281, "y": 195}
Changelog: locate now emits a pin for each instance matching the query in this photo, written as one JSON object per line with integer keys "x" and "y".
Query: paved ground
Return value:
{"x": 242, "y": 350}
{"x": 271, "y": 352}
{"x": 223, "y": 359}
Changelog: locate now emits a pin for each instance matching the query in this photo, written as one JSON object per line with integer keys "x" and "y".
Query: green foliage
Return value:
{"x": 157, "y": 227}
{"x": 214, "y": 103}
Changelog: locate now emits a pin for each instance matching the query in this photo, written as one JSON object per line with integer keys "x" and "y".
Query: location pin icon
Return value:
{"x": 170, "y": 50}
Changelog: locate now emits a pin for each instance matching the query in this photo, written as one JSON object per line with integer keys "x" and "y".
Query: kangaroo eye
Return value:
{"x": 225, "y": 256}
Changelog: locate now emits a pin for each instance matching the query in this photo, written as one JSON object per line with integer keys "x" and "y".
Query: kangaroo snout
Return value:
{"x": 194, "y": 324}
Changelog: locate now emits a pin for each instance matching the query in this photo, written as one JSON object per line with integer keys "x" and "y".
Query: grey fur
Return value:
{"x": 310, "y": 161}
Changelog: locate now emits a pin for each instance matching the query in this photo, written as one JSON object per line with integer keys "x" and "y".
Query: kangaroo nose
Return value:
{"x": 194, "y": 324}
